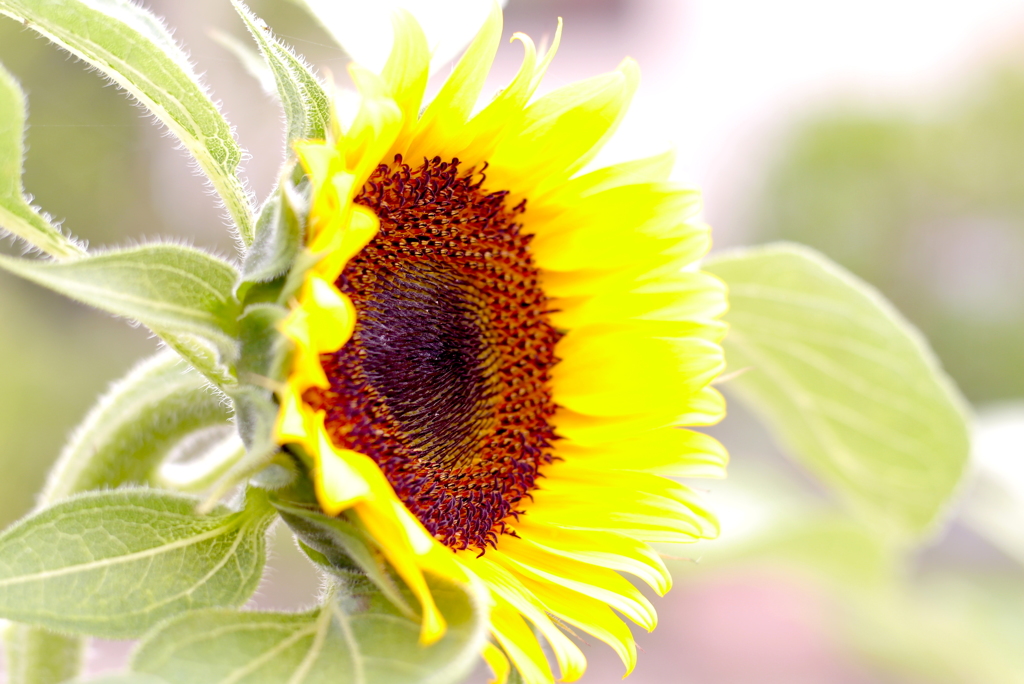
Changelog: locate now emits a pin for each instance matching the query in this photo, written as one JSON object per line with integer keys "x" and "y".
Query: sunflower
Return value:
{"x": 495, "y": 351}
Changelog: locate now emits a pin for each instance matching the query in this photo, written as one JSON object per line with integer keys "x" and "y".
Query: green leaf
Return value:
{"x": 174, "y": 290}
{"x": 306, "y": 106}
{"x": 114, "y": 563}
{"x": 342, "y": 550}
{"x": 845, "y": 382}
{"x": 361, "y": 640}
{"x": 16, "y": 214}
{"x": 133, "y": 48}
{"x": 134, "y": 427}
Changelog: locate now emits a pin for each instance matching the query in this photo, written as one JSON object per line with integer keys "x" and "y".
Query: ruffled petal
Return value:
{"x": 605, "y": 549}
{"x": 570, "y": 659}
{"x": 407, "y": 71}
{"x": 519, "y": 642}
{"x": 588, "y": 614}
{"x": 526, "y": 558}
{"x": 443, "y": 120}
{"x": 562, "y": 131}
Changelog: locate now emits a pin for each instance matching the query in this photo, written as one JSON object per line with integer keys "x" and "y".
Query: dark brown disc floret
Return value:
{"x": 445, "y": 383}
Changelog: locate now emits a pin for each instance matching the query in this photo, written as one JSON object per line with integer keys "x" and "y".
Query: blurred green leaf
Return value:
{"x": 133, "y": 48}
{"x": 357, "y": 640}
{"x": 306, "y": 106}
{"x": 114, "y": 563}
{"x": 845, "y": 382}
{"x": 171, "y": 289}
{"x": 16, "y": 214}
{"x": 924, "y": 200}
{"x": 833, "y": 546}
{"x": 134, "y": 426}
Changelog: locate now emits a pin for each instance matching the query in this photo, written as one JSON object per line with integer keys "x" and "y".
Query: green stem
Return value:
{"x": 39, "y": 656}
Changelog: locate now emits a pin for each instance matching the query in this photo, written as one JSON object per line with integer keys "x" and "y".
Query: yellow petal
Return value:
{"x": 571, "y": 660}
{"x": 605, "y": 549}
{"x": 660, "y": 270}
{"x": 306, "y": 369}
{"x": 630, "y": 491}
{"x": 653, "y": 169}
{"x": 673, "y": 452}
{"x": 586, "y": 430}
{"x": 496, "y": 660}
{"x": 525, "y": 558}
{"x": 519, "y": 642}
{"x": 612, "y": 372}
{"x": 338, "y": 484}
{"x": 707, "y": 407}
{"x": 443, "y": 120}
{"x": 618, "y": 228}
{"x": 588, "y": 614}
{"x": 501, "y": 117}
{"x": 693, "y": 297}
{"x": 562, "y": 131}
{"x": 378, "y": 517}
{"x": 318, "y": 159}
{"x": 360, "y": 225}
{"x": 407, "y": 69}
{"x": 646, "y": 517}
{"x": 331, "y": 315}
{"x": 294, "y": 419}
{"x": 377, "y": 124}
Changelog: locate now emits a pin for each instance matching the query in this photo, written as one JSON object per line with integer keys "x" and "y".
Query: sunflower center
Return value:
{"x": 445, "y": 383}
{"x": 425, "y": 352}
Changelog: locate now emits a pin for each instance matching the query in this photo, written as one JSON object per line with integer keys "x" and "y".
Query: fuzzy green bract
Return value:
{"x": 306, "y": 107}
{"x": 846, "y": 383}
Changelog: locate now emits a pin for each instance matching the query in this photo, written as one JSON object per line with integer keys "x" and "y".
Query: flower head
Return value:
{"x": 495, "y": 351}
